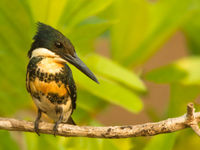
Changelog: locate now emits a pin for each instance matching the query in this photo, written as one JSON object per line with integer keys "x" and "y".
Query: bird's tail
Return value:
{"x": 70, "y": 121}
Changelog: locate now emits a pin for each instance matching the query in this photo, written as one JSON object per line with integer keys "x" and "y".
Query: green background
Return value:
{"x": 135, "y": 30}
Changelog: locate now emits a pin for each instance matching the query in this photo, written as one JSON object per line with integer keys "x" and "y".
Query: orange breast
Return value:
{"x": 51, "y": 87}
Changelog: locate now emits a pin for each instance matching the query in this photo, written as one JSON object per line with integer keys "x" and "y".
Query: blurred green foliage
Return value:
{"x": 136, "y": 29}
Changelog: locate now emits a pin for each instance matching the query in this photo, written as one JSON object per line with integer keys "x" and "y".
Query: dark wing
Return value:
{"x": 27, "y": 82}
{"x": 72, "y": 87}
{"x": 31, "y": 68}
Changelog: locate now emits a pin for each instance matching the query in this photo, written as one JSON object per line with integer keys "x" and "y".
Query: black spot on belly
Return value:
{"x": 45, "y": 75}
{"x": 36, "y": 95}
{"x": 59, "y": 110}
{"x": 42, "y": 93}
{"x": 55, "y": 98}
{"x": 48, "y": 77}
{"x": 34, "y": 72}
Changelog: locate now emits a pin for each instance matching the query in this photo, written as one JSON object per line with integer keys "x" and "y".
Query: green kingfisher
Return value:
{"x": 49, "y": 79}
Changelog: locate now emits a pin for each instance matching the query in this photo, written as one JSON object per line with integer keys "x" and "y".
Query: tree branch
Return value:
{"x": 190, "y": 119}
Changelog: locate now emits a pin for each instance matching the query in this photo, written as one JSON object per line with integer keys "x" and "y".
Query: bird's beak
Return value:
{"x": 78, "y": 63}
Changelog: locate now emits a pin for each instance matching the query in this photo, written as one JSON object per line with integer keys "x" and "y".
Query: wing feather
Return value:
{"x": 72, "y": 87}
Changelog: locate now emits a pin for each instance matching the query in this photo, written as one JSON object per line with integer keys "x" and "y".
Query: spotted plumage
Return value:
{"x": 49, "y": 79}
{"x": 50, "y": 90}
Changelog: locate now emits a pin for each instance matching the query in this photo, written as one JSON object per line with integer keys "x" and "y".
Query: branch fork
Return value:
{"x": 192, "y": 121}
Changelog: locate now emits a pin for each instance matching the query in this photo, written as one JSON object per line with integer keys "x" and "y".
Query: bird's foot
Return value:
{"x": 37, "y": 121}
{"x": 36, "y": 127}
{"x": 55, "y": 129}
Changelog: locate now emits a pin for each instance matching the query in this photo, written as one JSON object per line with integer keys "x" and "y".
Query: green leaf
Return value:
{"x": 47, "y": 11}
{"x": 89, "y": 102}
{"x": 124, "y": 144}
{"x": 143, "y": 29}
{"x": 109, "y": 145}
{"x": 14, "y": 43}
{"x": 81, "y": 115}
{"x": 84, "y": 35}
{"x": 109, "y": 69}
{"x": 167, "y": 16}
{"x": 192, "y": 30}
{"x": 110, "y": 91}
{"x": 16, "y": 23}
{"x": 183, "y": 71}
{"x": 167, "y": 74}
{"x": 83, "y": 143}
{"x": 72, "y": 7}
{"x": 162, "y": 142}
{"x": 34, "y": 142}
{"x": 130, "y": 28}
{"x": 7, "y": 142}
{"x": 180, "y": 96}
{"x": 31, "y": 141}
{"x": 191, "y": 138}
{"x": 87, "y": 9}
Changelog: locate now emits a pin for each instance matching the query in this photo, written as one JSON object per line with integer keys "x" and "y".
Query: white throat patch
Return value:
{"x": 43, "y": 52}
{"x": 46, "y": 53}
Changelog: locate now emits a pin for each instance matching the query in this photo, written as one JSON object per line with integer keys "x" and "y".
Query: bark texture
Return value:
{"x": 190, "y": 119}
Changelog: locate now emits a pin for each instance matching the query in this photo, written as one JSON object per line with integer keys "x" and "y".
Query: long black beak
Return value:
{"x": 78, "y": 63}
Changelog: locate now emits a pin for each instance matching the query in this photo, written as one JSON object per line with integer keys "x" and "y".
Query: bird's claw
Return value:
{"x": 37, "y": 121}
{"x": 36, "y": 129}
{"x": 55, "y": 130}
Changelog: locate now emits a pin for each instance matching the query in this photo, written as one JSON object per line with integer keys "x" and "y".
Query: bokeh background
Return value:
{"x": 145, "y": 54}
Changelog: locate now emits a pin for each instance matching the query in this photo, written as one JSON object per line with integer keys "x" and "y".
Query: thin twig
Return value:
{"x": 191, "y": 119}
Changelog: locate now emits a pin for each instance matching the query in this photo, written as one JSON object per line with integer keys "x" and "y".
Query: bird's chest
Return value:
{"x": 50, "y": 66}
{"x": 47, "y": 83}
{"x": 46, "y": 72}
{"x": 46, "y": 76}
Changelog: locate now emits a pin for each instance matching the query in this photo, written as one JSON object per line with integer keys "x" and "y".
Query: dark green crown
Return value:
{"x": 45, "y": 32}
{"x": 46, "y": 37}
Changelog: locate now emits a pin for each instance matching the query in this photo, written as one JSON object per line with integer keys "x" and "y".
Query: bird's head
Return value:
{"x": 50, "y": 42}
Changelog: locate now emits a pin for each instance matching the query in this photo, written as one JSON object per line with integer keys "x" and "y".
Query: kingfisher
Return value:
{"x": 49, "y": 79}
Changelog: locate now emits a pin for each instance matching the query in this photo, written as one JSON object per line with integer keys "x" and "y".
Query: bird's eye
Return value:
{"x": 58, "y": 45}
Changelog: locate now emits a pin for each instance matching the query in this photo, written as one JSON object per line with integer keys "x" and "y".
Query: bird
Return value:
{"x": 49, "y": 79}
